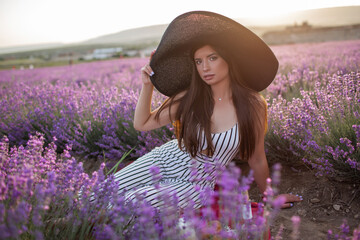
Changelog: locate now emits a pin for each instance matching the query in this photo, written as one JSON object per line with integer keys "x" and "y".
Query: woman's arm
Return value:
{"x": 144, "y": 117}
{"x": 258, "y": 163}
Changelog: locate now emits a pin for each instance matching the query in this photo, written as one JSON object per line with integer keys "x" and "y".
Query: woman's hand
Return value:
{"x": 290, "y": 199}
{"x": 146, "y": 72}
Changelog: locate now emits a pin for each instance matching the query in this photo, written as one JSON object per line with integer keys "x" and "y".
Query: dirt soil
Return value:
{"x": 327, "y": 202}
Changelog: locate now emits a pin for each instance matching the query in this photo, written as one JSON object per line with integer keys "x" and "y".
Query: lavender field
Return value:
{"x": 52, "y": 116}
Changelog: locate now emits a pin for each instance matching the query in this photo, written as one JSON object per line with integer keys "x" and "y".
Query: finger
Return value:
{"x": 149, "y": 70}
{"x": 152, "y": 53}
{"x": 293, "y": 198}
{"x": 287, "y": 205}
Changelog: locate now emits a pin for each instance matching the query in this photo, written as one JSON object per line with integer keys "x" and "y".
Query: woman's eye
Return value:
{"x": 212, "y": 58}
{"x": 197, "y": 62}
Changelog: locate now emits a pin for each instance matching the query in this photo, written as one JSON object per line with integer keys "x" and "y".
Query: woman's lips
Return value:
{"x": 208, "y": 76}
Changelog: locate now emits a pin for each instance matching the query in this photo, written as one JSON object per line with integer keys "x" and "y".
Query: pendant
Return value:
{"x": 219, "y": 99}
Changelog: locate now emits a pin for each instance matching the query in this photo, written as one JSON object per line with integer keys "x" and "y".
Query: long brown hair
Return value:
{"x": 196, "y": 107}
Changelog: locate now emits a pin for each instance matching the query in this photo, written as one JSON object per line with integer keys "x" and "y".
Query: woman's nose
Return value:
{"x": 206, "y": 66}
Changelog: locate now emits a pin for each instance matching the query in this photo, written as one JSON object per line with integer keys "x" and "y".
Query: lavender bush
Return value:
{"x": 314, "y": 108}
{"x": 40, "y": 200}
{"x": 300, "y": 65}
{"x": 321, "y": 127}
{"x": 89, "y": 106}
{"x": 47, "y": 196}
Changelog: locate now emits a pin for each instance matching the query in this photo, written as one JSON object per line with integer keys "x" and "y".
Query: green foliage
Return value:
{"x": 115, "y": 168}
{"x": 281, "y": 150}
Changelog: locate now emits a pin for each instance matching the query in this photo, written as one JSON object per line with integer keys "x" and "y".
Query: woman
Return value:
{"x": 212, "y": 69}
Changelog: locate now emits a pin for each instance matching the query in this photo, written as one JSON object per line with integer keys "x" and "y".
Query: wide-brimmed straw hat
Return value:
{"x": 173, "y": 62}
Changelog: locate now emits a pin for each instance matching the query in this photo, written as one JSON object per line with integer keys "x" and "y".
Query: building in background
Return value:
{"x": 103, "y": 53}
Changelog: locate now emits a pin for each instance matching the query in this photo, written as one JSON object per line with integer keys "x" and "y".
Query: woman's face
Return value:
{"x": 211, "y": 67}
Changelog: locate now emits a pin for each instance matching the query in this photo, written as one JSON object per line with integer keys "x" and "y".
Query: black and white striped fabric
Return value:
{"x": 180, "y": 173}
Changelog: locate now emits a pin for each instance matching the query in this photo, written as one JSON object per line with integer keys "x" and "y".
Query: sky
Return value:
{"x": 26, "y": 22}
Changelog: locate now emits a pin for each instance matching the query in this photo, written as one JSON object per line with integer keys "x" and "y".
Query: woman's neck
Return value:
{"x": 221, "y": 91}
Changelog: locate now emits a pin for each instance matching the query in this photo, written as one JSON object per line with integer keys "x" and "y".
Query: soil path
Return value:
{"x": 326, "y": 204}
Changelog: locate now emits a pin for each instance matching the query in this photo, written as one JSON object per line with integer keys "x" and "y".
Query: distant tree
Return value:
{"x": 305, "y": 24}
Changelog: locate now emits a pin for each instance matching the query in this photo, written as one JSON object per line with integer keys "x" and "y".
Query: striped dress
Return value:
{"x": 177, "y": 169}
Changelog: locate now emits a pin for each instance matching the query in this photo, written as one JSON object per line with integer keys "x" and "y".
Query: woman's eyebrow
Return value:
{"x": 211, "y": 54}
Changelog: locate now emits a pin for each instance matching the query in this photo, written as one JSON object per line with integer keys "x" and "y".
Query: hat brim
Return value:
{"x": 173, "y": 64}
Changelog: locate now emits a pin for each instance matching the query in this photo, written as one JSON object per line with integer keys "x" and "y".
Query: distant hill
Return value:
{"x": 152, "y": 35}
{"x": 132, "y": 36}
{"x": 305, "y": 34}
{"x": 325, "y": 17}
{"x": 338, "y": 16}
{"x": 30, "y": 47}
